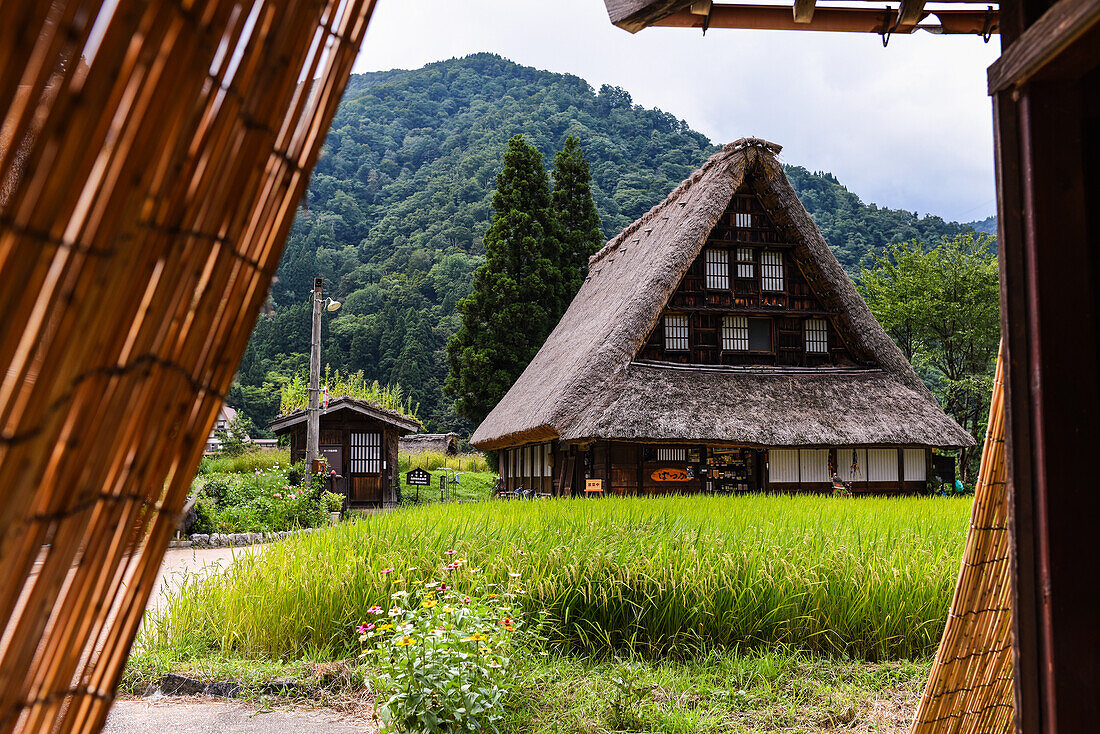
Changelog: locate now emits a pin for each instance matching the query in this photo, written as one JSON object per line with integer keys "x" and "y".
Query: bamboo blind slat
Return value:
{"x": 970, "y": 688}
{"x": 152, "y": 156}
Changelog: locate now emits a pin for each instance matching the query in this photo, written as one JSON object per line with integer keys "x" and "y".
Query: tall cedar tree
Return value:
{"x": 516, "y": 294}
{"x": 942, "y": 307}
{"x": 580, "y": 223}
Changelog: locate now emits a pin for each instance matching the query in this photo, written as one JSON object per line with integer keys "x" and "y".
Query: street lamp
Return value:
{"x": 313, "y": 415}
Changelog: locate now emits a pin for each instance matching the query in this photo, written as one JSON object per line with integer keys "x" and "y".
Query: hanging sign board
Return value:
{"x": 418, "y": 478}
{"x": 670, "y": 475}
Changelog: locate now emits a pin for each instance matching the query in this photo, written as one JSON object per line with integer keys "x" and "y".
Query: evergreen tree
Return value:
{"x": 577, "y": 216}
{"x": 516, "y": 293}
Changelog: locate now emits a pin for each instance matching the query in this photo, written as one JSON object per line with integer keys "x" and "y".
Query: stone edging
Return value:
{"x": 231, "y": 540}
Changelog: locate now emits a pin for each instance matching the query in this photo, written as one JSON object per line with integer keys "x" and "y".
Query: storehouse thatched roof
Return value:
{"x": 418, "y": 443}
{"x": 365, "y": 408}
{"x": 584, "y": 383}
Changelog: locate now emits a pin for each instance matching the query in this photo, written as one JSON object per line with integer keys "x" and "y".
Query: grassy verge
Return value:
{"x": 732, "y": 691}
{"x": 472, "y": 487}
{"x": 659, "y": 577}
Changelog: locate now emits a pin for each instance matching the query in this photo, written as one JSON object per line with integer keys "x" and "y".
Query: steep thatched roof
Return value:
{"x": 404, "y": 423}
{"x": 583, "y": 383}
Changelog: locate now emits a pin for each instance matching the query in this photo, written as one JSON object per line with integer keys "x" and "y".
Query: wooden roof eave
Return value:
{"x": 803, "y": 15}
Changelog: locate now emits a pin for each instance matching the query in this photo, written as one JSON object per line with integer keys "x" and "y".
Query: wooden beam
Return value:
{"x": 910, "y": 12}
{"x": 634, "y": 15}
{"x": 804, "y": 10}
{"x": 1061, "y": 25}
{"x": 841, "y": 20}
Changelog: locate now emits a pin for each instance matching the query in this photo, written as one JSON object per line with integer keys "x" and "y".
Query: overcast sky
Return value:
{"x": 908, "y": 126}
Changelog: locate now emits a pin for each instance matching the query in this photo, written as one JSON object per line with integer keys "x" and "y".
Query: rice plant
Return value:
{"x": 673, "y": 577}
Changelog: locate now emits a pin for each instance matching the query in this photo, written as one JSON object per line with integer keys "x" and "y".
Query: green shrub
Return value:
{"x": 204, "y": 519}
{"x": 333, "y": 502}
{"x": 216, "y": 490}
{"x": 444, "y": 653}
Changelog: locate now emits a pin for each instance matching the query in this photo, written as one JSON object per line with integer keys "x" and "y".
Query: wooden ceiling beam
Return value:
{"x": 804, "y": 10}
{"x": 910, "y": 12}
{"x": 841, "y": 20}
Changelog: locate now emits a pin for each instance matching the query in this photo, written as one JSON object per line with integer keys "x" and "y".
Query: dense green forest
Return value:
{"x": 401, "y": 198}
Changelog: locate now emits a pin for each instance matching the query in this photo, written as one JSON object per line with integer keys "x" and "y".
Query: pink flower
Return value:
{"x": 466, "y": 600}
{"x": 387, "y": 570}
{"x": 364, "y": 628}
{"x": 450, "y": 567}
{"x": 374, "y": 610}
{"x": 278, "y": 495}
{"x": 444, "y": 587}
{"x": 449, "y": 552}
{"x": 333, "y": 472}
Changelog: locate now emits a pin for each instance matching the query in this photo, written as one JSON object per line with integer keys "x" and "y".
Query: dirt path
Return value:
{"x": 198, "y": 716}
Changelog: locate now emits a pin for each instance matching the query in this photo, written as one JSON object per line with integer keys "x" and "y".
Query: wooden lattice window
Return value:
{"x": 718, "y": 269}
{"x": 771, "y": 270}
{"x": 672, "y": 454}
{"x": 366, "y": 453}
{"x": 746, "y": 263}
{"x": 735, "y": 334}
{"x": 817, "y": 336}
{"x": 742, "y": 219}
{"x": 676, "y": 332}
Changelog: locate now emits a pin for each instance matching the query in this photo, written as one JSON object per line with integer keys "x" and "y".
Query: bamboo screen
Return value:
{"x": 152, "y": 156}
{"x": 970, "y": 688}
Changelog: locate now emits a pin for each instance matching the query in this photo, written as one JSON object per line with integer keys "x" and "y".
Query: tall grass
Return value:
{"x": 295, "y": 393}
{"x": 868, "y": 578}
{"x": 432, "y": 460}
{"x": 259, "y": 460}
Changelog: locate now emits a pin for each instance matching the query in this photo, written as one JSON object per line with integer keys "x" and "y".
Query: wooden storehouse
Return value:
{"x": 359, "y": 440}
{"x": 718, "y": 346}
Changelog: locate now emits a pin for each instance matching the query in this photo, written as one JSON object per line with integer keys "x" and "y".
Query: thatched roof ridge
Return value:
{"x": 364, "y": 407}
{"x": 586, "y": 357}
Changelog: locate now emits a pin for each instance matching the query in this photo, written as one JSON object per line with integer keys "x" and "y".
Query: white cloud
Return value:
{"x": 908, "y": 126}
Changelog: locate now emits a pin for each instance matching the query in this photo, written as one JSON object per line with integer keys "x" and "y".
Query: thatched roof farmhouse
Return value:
{"x": 717, "y": 344}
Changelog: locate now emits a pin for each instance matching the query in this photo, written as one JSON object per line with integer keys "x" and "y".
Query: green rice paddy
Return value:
{"x": 671, "y": 577}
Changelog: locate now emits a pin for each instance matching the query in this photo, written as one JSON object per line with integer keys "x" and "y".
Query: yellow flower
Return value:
{"x": 509, "y": 627}
{"x": 405, "y": 641}
{"x": 428, "y": 603}
{"x": 475, "y": 637}
{"x": 385, "y": 627}
{"x": 448, "y": 610}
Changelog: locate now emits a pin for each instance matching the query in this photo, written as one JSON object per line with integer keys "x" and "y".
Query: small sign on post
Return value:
{"x": 418, "y": 478}
{"x": 593, "y": 486}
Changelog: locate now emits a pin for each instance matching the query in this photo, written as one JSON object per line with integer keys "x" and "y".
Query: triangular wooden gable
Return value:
{"x": 736, "y": 274}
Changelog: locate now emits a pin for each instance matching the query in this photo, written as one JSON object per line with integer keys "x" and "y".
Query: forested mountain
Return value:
{"x": 400, "y": 199}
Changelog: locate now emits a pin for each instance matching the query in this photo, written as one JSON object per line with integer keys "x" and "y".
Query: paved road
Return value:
{"x": 193, "y": 716}
{"x": 211, "y": 716}
{"x": 181, "y": 561}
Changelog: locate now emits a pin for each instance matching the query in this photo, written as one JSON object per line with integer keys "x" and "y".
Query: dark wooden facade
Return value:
{"x": 359, "y": 444}
{"x": 747, "y": 271}
{"x": 624, "y": 468}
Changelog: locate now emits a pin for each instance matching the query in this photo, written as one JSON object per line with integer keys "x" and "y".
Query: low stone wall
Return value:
{"x": 231, "y": 540}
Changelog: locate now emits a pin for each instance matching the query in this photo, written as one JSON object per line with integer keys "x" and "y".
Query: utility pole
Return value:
{"x": 313, "y": 416}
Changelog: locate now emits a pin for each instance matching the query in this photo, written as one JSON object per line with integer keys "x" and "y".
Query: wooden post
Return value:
{"x": 313, "y": 415}
{"x": 1048, "y": 156}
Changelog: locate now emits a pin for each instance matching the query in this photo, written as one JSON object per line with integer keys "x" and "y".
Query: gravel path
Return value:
{"x": 197, "y": 716}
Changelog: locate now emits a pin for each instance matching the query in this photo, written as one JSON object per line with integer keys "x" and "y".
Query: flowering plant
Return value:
{"x": 443, "y": 655}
